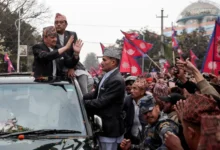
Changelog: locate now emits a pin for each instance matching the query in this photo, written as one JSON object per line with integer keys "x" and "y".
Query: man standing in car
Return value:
{"x": 107, "y": 101}
{"x": 63, "y": 36}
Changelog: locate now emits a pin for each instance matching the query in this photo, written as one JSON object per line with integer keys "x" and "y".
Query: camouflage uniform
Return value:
{"x": 154, "y": 134}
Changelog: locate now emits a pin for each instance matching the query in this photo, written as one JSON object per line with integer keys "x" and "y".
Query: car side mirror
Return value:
{"x": 98, "y": 123}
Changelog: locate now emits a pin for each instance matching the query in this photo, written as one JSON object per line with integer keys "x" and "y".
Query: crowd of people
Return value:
{"x": 177, "y": 110}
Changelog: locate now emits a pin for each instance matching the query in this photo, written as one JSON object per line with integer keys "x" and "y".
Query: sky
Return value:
{"x": 97, "y": 21}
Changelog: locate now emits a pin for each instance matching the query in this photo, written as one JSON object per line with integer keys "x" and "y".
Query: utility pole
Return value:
{"x": 18, "y": 28}
{"x": 162, "y": 37}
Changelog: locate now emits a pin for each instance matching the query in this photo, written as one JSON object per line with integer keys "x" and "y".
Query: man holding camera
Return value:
{"x": 181, "y": 80}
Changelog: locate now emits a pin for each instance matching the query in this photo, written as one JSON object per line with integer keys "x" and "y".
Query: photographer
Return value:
{"x": 202, "y": 84}
{"x": 213, "y": 80}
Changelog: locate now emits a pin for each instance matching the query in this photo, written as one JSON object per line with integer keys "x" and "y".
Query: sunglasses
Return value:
{"x": 61, "y": 22}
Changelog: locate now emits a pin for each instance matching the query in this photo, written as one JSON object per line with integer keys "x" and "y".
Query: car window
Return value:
{"x": 40, "y": 106}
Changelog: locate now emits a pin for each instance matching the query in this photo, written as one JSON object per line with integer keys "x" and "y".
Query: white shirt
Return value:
{"x": 104, "y": 77}
{"x": 136, "y": 122}
{"x": 54, "y": 65}
{"x": 61, "y": 38}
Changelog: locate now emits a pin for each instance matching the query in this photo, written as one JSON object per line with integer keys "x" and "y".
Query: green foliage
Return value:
{"x": 9, "y": 34}
{"x": 197, "y": 41}
{"x": 91, "y": 61}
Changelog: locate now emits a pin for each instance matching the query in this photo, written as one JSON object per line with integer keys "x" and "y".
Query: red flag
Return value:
{"x": 180, "y": 52}
{"x": 193, "y": 57}
{"x": 166, "y": 66}
{"x": 174, "y": 40}
{"x": 103, "y": 47}
{"x": 135, "y": 67}
{"x": 99, "y": 69}
{"x": 142, "y": 45}
{"x": 131, "y": 50}
{"x": 93, "y": 72}
{"x": 130, "y": 36}
{"x": 10, "y": 66}
{"x": 125, "y": 64}
{"x": 211, "y": 63}
{"x": 128, "y": 63}
{"x": 6, "y": 58}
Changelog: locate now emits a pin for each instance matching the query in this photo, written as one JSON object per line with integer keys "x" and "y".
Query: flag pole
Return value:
{"x": 173, "y": 58}
{"x": 153, "y": 61}
{"x": 173, "y": 48}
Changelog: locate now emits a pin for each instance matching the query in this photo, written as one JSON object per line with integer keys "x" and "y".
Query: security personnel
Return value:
{"x": 158, "y": 125}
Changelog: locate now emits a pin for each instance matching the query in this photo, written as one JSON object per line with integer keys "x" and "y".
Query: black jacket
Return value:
{"x": 108, "y": 105}
{"x": 43, "y": 60}
{"x": 70, "y": 52}
{"x": 128, "y": 108}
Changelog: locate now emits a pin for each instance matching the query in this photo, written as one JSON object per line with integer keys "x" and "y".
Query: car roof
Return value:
{"x": 22, "y": 78}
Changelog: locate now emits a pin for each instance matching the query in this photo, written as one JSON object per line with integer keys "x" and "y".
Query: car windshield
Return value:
{"x": 25, "y": 107}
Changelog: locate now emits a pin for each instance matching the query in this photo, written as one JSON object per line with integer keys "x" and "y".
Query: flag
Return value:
{"x": 130, "y": 36}
{"x": 102, "y": 47}
{"x": 142, "y": 45}
{"x": 93, "y": 72}
{"x": 10, "y": 66}
{"x": 99, "y": 71}
{"x": 193, "y": 57}
{"x": 128, "y": 63}
{"x": 166, "y": 66}
{"x": 131, "y": 50}
{"x": 174, "y": 40}
{"x": 180, "y": 52}
{"x": 135, "y": 67}
{"x": 125, "y": 64}
{"x": 6, "y": 58}
{"x": 211, "y": 63}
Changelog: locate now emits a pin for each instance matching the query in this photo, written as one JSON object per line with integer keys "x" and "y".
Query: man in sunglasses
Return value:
{"x": 79, "y": 70}
{"x": 49, "y": 59}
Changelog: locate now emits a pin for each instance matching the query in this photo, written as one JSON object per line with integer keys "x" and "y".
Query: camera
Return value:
{"x": 206, "y": 76}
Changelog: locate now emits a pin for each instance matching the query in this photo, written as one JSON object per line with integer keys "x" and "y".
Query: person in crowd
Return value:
{"x": 158, "y": 126}
{"x": 183, "y": 82}
{"x": 128, "y": 83}
{"x": 160, "y": 89}
{"x": 107, "y": 101}
{"x": 168, "y": 102}
{"x": 192, "y": 113}
{"x": 201, "y": 83}
{"x": 49, "y": 59}
{"x": 134, "y": 122}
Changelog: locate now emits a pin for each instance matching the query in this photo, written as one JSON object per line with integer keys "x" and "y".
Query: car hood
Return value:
{"x": 46, "y": 144}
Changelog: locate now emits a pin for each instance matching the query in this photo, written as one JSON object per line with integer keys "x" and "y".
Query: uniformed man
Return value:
{"x": 158, "y": 125}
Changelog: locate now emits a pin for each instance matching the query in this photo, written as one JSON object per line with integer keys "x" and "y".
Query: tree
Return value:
{"x": 31, "y": 12}
{"x": 197, "y": 41}
{"x": 91, "y": 61}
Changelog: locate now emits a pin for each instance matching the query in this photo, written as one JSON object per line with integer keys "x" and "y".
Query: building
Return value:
{"x": 198, "y": 14}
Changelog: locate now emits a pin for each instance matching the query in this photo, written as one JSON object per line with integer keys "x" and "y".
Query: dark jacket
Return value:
{"x": 108, "y": 105}
{"x": 128, "y": 108}
{"x": 43, "y": 60}
{"x": 70, "y": 52}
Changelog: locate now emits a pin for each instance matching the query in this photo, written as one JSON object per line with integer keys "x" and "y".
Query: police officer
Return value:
{"x": 158, "y": 125}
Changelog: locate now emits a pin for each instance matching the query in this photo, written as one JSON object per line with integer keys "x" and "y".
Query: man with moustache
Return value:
{"x": 49, "y": 59}
{"x": 107, "y": 100}
{"x": 63, "y": 36}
